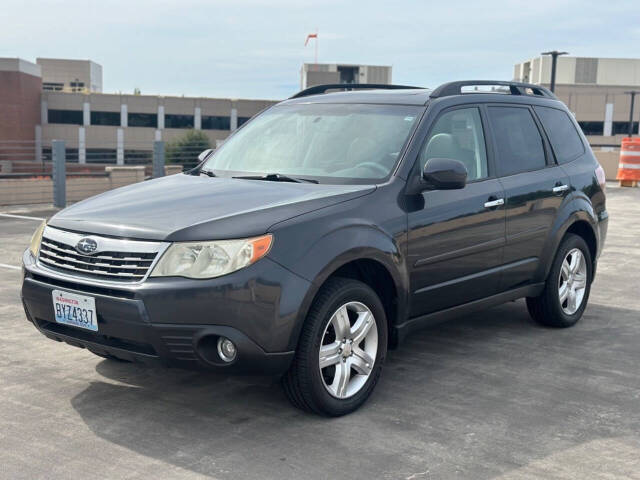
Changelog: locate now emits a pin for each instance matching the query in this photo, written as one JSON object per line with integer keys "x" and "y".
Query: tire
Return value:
{"x": 326, "y": 392}
{"x": 548, "y": 308}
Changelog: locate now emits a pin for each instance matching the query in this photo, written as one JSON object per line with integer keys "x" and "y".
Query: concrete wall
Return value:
{"x": 99, "y": 102}
{"x": 322, "y": 73}
{"x": 321, "y": 78}
{"x": 599, "y": 103}
{"x": 103, "y": 136}
{"x": 593, "y": 89}
{"x": 65, "y": 71}
{"x": 22, "y": 191}
{"x": 609, "y": 161}
{"x": 618, "y": 71}
{"x": 140, "y": 138}
{"x": 25, "y": 111}
{"x": 589, "y": 101}
{"x": 566, "y": 70}
{"x": 376, "y": 74}
{"x": 582, "y": 70}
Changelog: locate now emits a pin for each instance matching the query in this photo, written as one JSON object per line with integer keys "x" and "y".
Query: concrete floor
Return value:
{"x": 491, "y": 395}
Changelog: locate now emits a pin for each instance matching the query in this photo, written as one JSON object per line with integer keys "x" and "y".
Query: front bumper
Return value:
{"x": 176, "y": 321}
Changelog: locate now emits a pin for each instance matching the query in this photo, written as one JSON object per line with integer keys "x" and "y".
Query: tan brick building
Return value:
{"x": 20, "y": 86}
{"x": 60, "y": 99}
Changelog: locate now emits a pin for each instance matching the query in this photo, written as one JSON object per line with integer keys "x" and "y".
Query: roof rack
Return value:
{"x": 317, "y": 89}
{"x": 516, "y": 88}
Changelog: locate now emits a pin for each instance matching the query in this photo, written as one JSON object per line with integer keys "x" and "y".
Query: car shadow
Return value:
{"x": 451, "y": 397}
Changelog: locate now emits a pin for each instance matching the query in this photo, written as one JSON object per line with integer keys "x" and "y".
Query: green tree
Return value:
{"x": 186, "y": 149}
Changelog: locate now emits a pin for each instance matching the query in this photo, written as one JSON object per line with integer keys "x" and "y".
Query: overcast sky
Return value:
{"x": 254, "y": 48}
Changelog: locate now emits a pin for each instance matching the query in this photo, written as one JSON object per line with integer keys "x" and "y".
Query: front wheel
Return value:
{"x": 341, "y": 350}
{"x": 564, "y": 298}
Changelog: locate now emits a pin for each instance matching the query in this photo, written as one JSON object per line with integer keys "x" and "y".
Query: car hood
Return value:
{"x": 186, "y": 207}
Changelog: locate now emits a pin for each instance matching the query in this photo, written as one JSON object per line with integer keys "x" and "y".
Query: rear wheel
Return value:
{"x": 564, "y": 298}
{"x": 341, "y": 350}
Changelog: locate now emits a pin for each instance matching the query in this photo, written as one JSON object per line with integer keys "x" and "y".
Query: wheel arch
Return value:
{"x": 378, "y": 269}
{"x": 583, "y": 229}
{"x": 376, "y": 275}
{"x": 577, "y": 218}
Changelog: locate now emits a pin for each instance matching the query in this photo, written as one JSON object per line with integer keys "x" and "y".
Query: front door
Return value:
{"x": 456, "y": 237}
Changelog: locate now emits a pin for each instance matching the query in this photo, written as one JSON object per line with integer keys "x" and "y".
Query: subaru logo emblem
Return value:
{"x": 87, "y": 246}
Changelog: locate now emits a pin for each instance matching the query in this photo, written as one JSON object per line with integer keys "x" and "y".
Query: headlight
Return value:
{"x": 34, "y": 246}
{"x": 211, "y": 259}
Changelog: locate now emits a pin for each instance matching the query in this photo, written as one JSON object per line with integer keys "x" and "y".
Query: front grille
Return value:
{"x": 129, "y": 265}
{"x": 115, "y": 259}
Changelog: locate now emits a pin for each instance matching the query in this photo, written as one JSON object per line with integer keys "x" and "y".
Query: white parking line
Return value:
{"x": 12, "y": 267}
{"x": 9, "y": 215}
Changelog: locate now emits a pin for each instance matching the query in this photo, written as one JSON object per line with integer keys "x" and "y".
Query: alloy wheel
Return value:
{"x": 572, "y": 282}
{"x": 348, "y": 350}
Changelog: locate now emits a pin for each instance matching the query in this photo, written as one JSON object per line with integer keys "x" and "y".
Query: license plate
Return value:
{"x": 75, "y": 310}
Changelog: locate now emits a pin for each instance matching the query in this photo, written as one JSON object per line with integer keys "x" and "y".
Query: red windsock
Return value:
{"x": 311, "y": 35}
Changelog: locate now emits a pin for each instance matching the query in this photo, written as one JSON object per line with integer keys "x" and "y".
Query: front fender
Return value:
{"x": 341, "y": 247}
{"x": 317, "y": 244}
{"x": 345, "y": 244}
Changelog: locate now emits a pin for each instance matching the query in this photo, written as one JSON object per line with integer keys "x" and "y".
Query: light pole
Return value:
{"x": 554, "y": 60}
{"x": 633, "y": 97}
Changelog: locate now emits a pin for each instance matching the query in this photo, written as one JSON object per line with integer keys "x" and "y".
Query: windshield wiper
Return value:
{"x": 277, "y": 177}
{"x": 208, "y": 173}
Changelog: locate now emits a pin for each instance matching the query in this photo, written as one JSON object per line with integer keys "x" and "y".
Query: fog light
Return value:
{"x": 226, "y": 349}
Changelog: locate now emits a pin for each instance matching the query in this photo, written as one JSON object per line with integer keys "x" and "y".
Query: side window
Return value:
{"x": 519, "y": 145}
{"x": 563, "y": 136}
{"x": 458, "y": 134}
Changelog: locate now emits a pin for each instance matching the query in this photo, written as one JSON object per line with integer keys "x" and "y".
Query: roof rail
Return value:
{"x": 317, "y": 89}
{"x": 516, "y": 88}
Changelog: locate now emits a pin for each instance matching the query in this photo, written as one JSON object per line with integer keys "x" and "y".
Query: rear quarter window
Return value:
{"x": 562, "y": 133}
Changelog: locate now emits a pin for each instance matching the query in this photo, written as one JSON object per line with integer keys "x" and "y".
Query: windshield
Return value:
{"x": 332, "y": 143}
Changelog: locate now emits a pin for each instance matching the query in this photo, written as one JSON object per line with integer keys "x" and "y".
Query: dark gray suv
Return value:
{"x": 326, "y": 230}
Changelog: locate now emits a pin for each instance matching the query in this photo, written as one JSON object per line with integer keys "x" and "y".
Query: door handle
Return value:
{"x": 560, "y": 188}
{"x": 494, "y": 203}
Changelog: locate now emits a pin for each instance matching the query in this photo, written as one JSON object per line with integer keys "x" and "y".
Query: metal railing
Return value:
{"x": 62, "y": 174}
{"x": 29, "y": 154}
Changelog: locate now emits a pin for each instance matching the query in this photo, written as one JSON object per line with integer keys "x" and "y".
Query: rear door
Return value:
{"x": 535, "y": 187}
{"x": 456, "y": 236}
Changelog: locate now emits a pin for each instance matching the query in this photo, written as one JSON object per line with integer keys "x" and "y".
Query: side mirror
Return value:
{"x": 205, "y": 154}
{"x": 444, "y": 174}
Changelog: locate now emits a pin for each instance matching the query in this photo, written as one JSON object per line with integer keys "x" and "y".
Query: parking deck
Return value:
{"x": 492, "y": 395}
